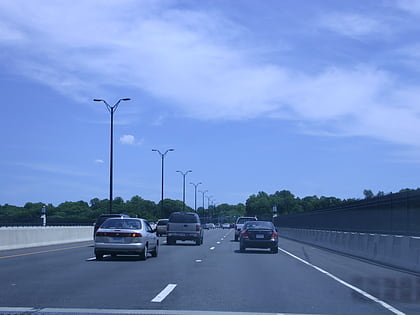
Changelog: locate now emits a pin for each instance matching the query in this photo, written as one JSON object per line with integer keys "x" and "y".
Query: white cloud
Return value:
{"x": 99, "y": 161}
{"x": 190, "y": 60}
{"x": 130, "y": 140}
{"x": 353, "y": 25}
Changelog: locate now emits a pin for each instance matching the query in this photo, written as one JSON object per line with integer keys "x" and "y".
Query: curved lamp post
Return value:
{"x": 195, "y": 195}
{"x": 111, "y": 109}
{"x": 183, "y": 190}
{"x": 162, "y": 156}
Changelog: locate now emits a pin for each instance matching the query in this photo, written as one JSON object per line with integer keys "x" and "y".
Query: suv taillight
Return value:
{"x": 197, "y": 227}
{"x": 167, "y": 227}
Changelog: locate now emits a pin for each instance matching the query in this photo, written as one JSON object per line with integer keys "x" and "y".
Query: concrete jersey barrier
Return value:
{"x": 23, "y": 237}
{"x": 402, "y": 252}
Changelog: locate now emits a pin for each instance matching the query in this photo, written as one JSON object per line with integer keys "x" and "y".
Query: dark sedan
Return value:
{"x": 259, "y": 234}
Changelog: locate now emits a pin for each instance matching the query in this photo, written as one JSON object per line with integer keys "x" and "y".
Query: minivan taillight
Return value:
{"x": 100, "y": 233}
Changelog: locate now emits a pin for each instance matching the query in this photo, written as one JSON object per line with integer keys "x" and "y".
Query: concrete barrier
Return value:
{"x": 23, "y": 237}
{"x": 398, "y": 251}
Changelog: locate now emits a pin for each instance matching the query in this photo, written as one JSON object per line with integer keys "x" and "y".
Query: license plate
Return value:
{"x": 116, "y": 240}
{"x": 259, "y": 236}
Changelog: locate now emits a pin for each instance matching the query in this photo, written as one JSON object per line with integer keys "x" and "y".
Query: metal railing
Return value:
{"x": 397, "y": 214}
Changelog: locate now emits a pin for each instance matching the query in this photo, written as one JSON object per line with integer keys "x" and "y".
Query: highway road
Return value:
{"x": 214, "y": 277}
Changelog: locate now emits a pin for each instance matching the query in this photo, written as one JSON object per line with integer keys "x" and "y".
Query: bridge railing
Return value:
{"x": 395, "y": 214}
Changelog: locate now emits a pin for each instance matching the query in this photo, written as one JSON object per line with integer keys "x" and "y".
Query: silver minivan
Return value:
{"x": 184, "y": 226}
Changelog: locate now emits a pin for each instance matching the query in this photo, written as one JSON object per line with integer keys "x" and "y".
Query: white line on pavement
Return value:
{"x": 212, "y": 248}
{"x": 365, "y": 294}
{"x": 164, "y": 293}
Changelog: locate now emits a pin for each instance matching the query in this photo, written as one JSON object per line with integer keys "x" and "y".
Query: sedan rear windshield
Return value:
{"x": 243, "y": 220}
{"x": 124, "y": 224}
{"x": 259, "y": 225}
{"x": 183, "y": 218}
{"x": 162, "y": 222}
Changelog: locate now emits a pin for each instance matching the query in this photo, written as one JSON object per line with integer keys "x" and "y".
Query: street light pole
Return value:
{"x": 183, "y": 190}
{"x": 203, "y": 192}
{"x": 111, "y": 109}
{"x": 195, "y": 195}
{"x": 162, "y": 155}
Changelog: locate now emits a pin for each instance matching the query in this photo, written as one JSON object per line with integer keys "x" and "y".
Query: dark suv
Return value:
{"x": 103, "y": 217}
{"x": 184, "y": 226}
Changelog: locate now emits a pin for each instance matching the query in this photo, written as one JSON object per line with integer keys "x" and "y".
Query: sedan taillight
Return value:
{"x": 274, "y": 235}
{"x": 245, "y": 235}
{"x": 100, "y": 233}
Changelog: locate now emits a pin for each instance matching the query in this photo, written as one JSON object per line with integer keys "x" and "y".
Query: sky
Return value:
{"x": 318, "y": 97}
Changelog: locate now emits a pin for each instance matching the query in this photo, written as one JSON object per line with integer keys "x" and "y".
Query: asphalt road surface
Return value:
{"x": 213, "y": 277}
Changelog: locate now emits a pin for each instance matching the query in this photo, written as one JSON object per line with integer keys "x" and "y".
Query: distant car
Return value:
{"x": 259, "y": 234}
{"x": 103, "y": 217}
{"x": 161, "y": 227}
{"x": 226, "y": 225}
{"x": 126, "y": 236}
{"x": 211, "y": 225}
{"x": 184, "y": 226}
{"x": 239, "y": 223}
{"x": 205, "y": 226}
{"x": 153, "y": 225}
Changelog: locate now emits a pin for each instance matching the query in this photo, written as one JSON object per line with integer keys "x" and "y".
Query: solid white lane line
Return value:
{"x": 365, "y": 294}
{"x": 164, "y": 293}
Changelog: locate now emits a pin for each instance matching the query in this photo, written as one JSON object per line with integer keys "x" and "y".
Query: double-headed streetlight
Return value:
{"x": 162, "y": 155}
{"x": 111, "y": 109}
{"x": 183, "y": 190}
{"x": 203, "y": 192}
{"x": 195, "y": 195}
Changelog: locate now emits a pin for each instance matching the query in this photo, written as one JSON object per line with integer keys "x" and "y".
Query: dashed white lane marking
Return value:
{"x": 91, "y": 259}
{"x": 164, "y": 293}
{"x": 360, "y": 291}
{"x": 198, "y": 261}
{"x": 218, "y": 243}
{"x": 212, "y": 248}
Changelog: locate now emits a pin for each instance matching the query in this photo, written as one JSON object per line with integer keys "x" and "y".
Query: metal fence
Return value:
{"x": 397, "y": 214}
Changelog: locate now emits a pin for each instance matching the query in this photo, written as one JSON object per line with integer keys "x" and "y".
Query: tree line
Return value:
{"x": 260, "y": 205}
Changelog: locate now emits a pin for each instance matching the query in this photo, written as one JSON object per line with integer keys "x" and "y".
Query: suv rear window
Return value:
{"x": 184, "y": 218}
{"x": 243, "y": 220}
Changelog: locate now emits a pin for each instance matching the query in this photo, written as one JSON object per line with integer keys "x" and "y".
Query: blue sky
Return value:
{"x": 316, "y": 97}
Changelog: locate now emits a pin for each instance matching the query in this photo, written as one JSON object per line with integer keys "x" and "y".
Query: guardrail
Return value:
{"x": 399, "y": 251}
{"x": 23, "y": 237}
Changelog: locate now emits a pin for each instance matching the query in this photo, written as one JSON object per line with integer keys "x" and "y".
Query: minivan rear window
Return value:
{"x": 183, "y": 218}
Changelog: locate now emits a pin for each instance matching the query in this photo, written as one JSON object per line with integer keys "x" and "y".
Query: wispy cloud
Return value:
{"x": 190, "y": 59}
{"x": 353, "y": 25}
{"x": 411, "y": 6}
